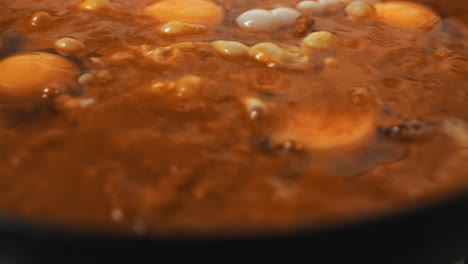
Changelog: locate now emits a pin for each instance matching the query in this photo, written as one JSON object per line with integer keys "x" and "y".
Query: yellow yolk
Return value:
{"x": 191, "y": 11}
{"x": 325, "y": 131}
{"x": 408, "y": 14}
{"x": 23, "y": 77}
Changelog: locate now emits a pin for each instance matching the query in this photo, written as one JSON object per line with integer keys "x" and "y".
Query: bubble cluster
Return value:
{"x": 267, "y": 20}
{"x": 274, "y": 56}
{"x": 177, "y": 28}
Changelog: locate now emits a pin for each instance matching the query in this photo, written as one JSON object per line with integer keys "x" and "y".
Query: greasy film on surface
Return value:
{"x": 204, "y": 116}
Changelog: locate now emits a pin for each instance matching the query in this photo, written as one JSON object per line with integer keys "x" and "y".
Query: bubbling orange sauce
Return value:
{"x": 204, "y": 116}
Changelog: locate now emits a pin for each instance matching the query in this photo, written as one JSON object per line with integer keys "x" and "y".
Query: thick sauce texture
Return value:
{"x": 212, "y": 116}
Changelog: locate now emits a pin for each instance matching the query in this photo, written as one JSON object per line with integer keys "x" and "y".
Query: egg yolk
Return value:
{"x": 408, "y": 14}
{"x": 190, "y": 11}
{"x": 323, "y": 131}
{"x": 24, "y": 77}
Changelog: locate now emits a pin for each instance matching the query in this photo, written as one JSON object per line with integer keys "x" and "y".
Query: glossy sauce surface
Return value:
{"x": 166, "y": 133}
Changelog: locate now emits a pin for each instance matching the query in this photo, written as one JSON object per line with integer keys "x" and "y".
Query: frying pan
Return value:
{"x": 435, "y": 233}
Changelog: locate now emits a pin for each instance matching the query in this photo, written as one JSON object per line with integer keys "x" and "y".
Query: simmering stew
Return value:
{"x": 204, "y": 116}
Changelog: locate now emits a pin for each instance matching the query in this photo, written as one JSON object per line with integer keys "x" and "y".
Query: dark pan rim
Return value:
{"x": 42, "y": 230}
